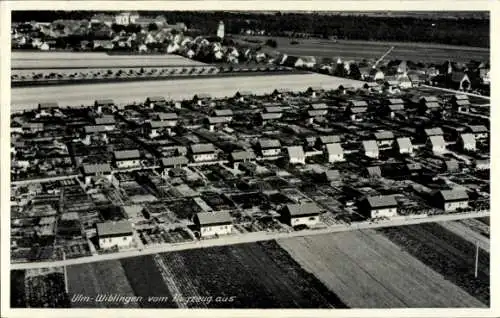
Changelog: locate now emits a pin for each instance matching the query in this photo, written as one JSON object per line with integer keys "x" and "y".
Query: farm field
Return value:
{"x": 36, "y": 60}
{"x": 357, "y": 50}
{"x": 77, "y": 95}
{"x": 367, "y": 270}
{"x": 446, "y": 253}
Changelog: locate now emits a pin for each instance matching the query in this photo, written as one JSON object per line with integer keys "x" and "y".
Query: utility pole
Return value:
{"x": 477, "y": 258}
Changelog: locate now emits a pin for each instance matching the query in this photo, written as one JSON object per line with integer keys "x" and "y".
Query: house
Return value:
{"x": 316, "y": 114}
{"x": 172, "y": 163}
{"x": 374, "y": 172}
{"x": 318, "y": 106}
{"x": 334, "y": 152}
{"x": 94, "y": 131}
{"x": 379, "y": 206}
{"x": 102, "y": 104}
{"x": 126, "y": 18}
{"x": 451, "y": 200}
{"x": 237, "y": 157}
{"x": 370, "y": 148}
{"x": 273, "y": 109}
{"x": 301, "y": 214}
{"x": 393, "y": 105}
{"x": 269, "y": 147}
{"x": 460, "y": 103}
{"x": 203, "y": 152}
{"x": 265, "y": 118}
{"x": 47, "y": 106}
{"x": 296, "y": 155}
{"x": 331, "y": 176}
{"x": 356, "y": 109}
{"x": 459, "y": 81}
{"x": 467, "y": 142}
{"x": 306, "y": 62}
{"x": 322, "y": 141}
{"x": 404, "y": 145}
{"x": 437, "y": 144}
{"x": 115, "y": 234}
{"x": 95, "y": 171}
{"x": 451, "y": 165}
{"x": 480, "y": 132}
{"x": 106, "y": 121}
{"x": 32, "y": 128}
{"x": 213, "y": 223}
{"x": 127, "y": 158}
{"x": 155, "y": 128}
{"x": 212, "y": 122}
{"x": 385, "y": 139}
{"x": 169, "y": 118}
{"x": 155, "y": 101}
{"x": 226, "y": 114}
{"x": 433, "y": 132}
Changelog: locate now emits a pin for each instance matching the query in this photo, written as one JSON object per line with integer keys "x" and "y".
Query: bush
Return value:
{"x": 272, "y": 43}
{"x": 294, "y": 42}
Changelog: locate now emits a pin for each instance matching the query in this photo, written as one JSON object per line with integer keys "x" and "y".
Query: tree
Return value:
{"x": 354, "y": 72}
{"x": 117, "y": 28}
{"x": 152, "y": 27}
{"x": 339, "y": 70}
{"x": 272, "y": 43}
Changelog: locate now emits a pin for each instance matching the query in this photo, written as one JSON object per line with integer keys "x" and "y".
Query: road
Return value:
{"x": 247, "y": 238}
{"x": 456, "y": 92}
{"x": 25, "y": 98}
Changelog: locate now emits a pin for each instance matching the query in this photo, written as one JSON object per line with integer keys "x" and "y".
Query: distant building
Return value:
{"x": 213, "y": 223}
{"x": 370, "y": 149}
{"x": 96, "y": 171}
{"x": 173, "y": 162}
{"x": 404, "y": 145}
{"x": 385, "y": 139}
{"x": 467, "y": 142}
{"x": 237, "y": 157}
{"x": 127, "y": 158}
{"x": 301, "y": 214}
{"x": 334, "y": 152}
{"x": 269, "y": 147}
{"x": 296, "y": 155}
{"x": 155, "y": 128}
{"x": 220, "y": 30}
{"x": 437, "y": 144}
{"x": 451, "y": 200}
{"x": 203, "y": 152}
{"x": 480, "y": 132}
{"x": 155, "y": 101}
{"x": 322, "y": 141}
{"x": 115, "y": 234}
{"x": 379, "y": 206}
{"x": 106, "y": 121}
{"x": 126, "y": 18}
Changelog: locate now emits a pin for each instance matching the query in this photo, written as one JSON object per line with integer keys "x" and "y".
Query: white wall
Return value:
{"x": 335, "y": 157}
{"x": 308, "y": 220}
{"x": 453, "y": 206}
{"x": 386, "y": 212}
{"x": 301, "y": 160}
{"x": 271, "y": 152}
{"x": 127, "y": 163}
{"x": 121, "y": 241}
{"x": 205, "y": 157}
{"x": 371, "y": 154}
{"x": 216, "y": 229}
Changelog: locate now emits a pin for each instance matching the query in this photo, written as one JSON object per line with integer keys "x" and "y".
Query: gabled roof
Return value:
{"x": 384, "y": 135}
{"x": 395, "y": 101}
{"x": 374, "y": 171}
{"x": 432, "y": 105}
{"x": 370, "y": 146}
{"x": 296, "y": 152}
{"x": 269, "y": 116}
{"x": 269, "y": 143}
{"x": 156, "y": 99}
{"x": 217, "y": 120}
{"x": 452, "y": 165}
{"x": 396, "y": 107}
{"x": 478, "y": 128}
{"x": 127, "y": 154}
{"x": 434, "y": 132}
{"x": 223, "y": 112}
{"x": 358, "y": 110}
{"x": 89, "y": 169}
{"x": 461, "y": 97}
{"x": 437, "y": 141}
{"x": 48, "y": 105}
{"x": 202, "y": 148}
{"x": 357, "y": 103}
{"x": 332, "y": 175}
{"x": 404, "y": 143}
{"x": 33, "y": 125}
{"x": 318, "y": 106}
{"x": 468, "y": 139}
{"x": 462, "y": 102}
{"x": 104, "y": 102}
{"x": 167, "y": 116}
{"x": 114, "y": 228}
{"x": 304, "y": 209}
{"x": 329, "y": 139}
{"x": 454, "y": 195}
{"x": 334, "y": 149}
{"x": 382, "y": 201}
{"x": 104, "y": 120}
{"x": 158, "y": 124}
{"x": 315, "y": 113}
{"x": 174, "y": 161}
{"x": 94, "y": 129}
{"x": 212, "y": 218}
{"x": 429, "y": 99}
{"x": 242, "y": 155}
{"x": 273, "y": 109}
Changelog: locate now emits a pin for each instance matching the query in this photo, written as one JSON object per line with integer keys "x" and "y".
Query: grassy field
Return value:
{"x": 366, "y": 270}
{"x": 357, "y": 50}
{"x": 77, "y": 95}
{"x": 27, "y": 60}
{"x": 446, "y": 253}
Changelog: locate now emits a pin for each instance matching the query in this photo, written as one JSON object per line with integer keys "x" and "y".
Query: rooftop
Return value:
{"x": 297, "y": 210}
{"x": 208, "y": 218}
{"x": 382, "y": 201}
{"x": 114, "y": 228}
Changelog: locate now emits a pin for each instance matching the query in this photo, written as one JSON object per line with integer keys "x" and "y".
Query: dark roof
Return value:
{"x": 454, "y": 195}
{"x": 242, "y": 155}
{"x": 96, "y": 168}
{"x": 303, "y": 209}
{"x": 267, "y": 116}
{"x": 94, "y": 129}
{"x": 202, "y": 148}
{"x": 156, "y": 99}
{"x": 208, "y": 218}
{"x": 127, "y": 154}
{"x": 382, "y": 201}
{"x": 457, "y": 76}
{"x": 104, "y": 120}
{"x": 269, "y": 143}
{"x": 273, "y": 109}
{"x": 374, "y": 171}
{"x": 158, "y": 124}
{"x": 382, "y": 135}
{"x": 223, "y": 112}
{"x": 104, "y": 102}
{"x": 48, "y": 105}
{"x": 434, "y": 132}
{"x": 167, "y": 116}
{"x": 114, "y": 228}
{"x": 174, "y": 161}
{"x": 329, "y": 139}
{"x": 478, "y": 128}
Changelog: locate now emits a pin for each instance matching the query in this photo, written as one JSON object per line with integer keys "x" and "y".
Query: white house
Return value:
{"x": 203, "y": 152}
{"x": 126, "y": 18}
{"x": 379, "y": 206}
{"x": 436, "y": 144}
{"x": 334, "y": 152}
{"x": 296, "y": 155}
{"x": 115, "y": 234}
{"x": 94, "y": 131}
{"x": 127, "y": 158}
{"x": 467, "y": 142}
{"x": 301, "y": 214}
{"x": 173, "y": 162}
{"x": 480, "y": 132}
{"x": 155, "y": 128}
{"x": 107, "y": 121}
{"x": 95, "y": 171}
{"x": 451, "y": 200}
{"x": 404, "y": 145}
{"x": 213, "y": 223}
{"x": 270, "y": 147}
{"x": 370, "y": 148}
{"x": 384, "y": 139}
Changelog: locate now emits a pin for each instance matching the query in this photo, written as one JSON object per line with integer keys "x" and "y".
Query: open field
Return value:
{"x": 36, "y": 60}
{"x": 366, "y": 270}
{"x": 77, "y": 95}
{"x": 357, "y": 50}
{"x": 446, "y": 253}
{"x": 257, "y": 275}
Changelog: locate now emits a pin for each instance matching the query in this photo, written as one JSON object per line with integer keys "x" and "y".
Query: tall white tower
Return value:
{"x": 220, "y": 30}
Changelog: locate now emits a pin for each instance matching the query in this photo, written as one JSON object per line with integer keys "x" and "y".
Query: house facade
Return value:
{"x": 301, "y": 214}
{"x": 115, "y": 234}
{"x": 213, "y": 223}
